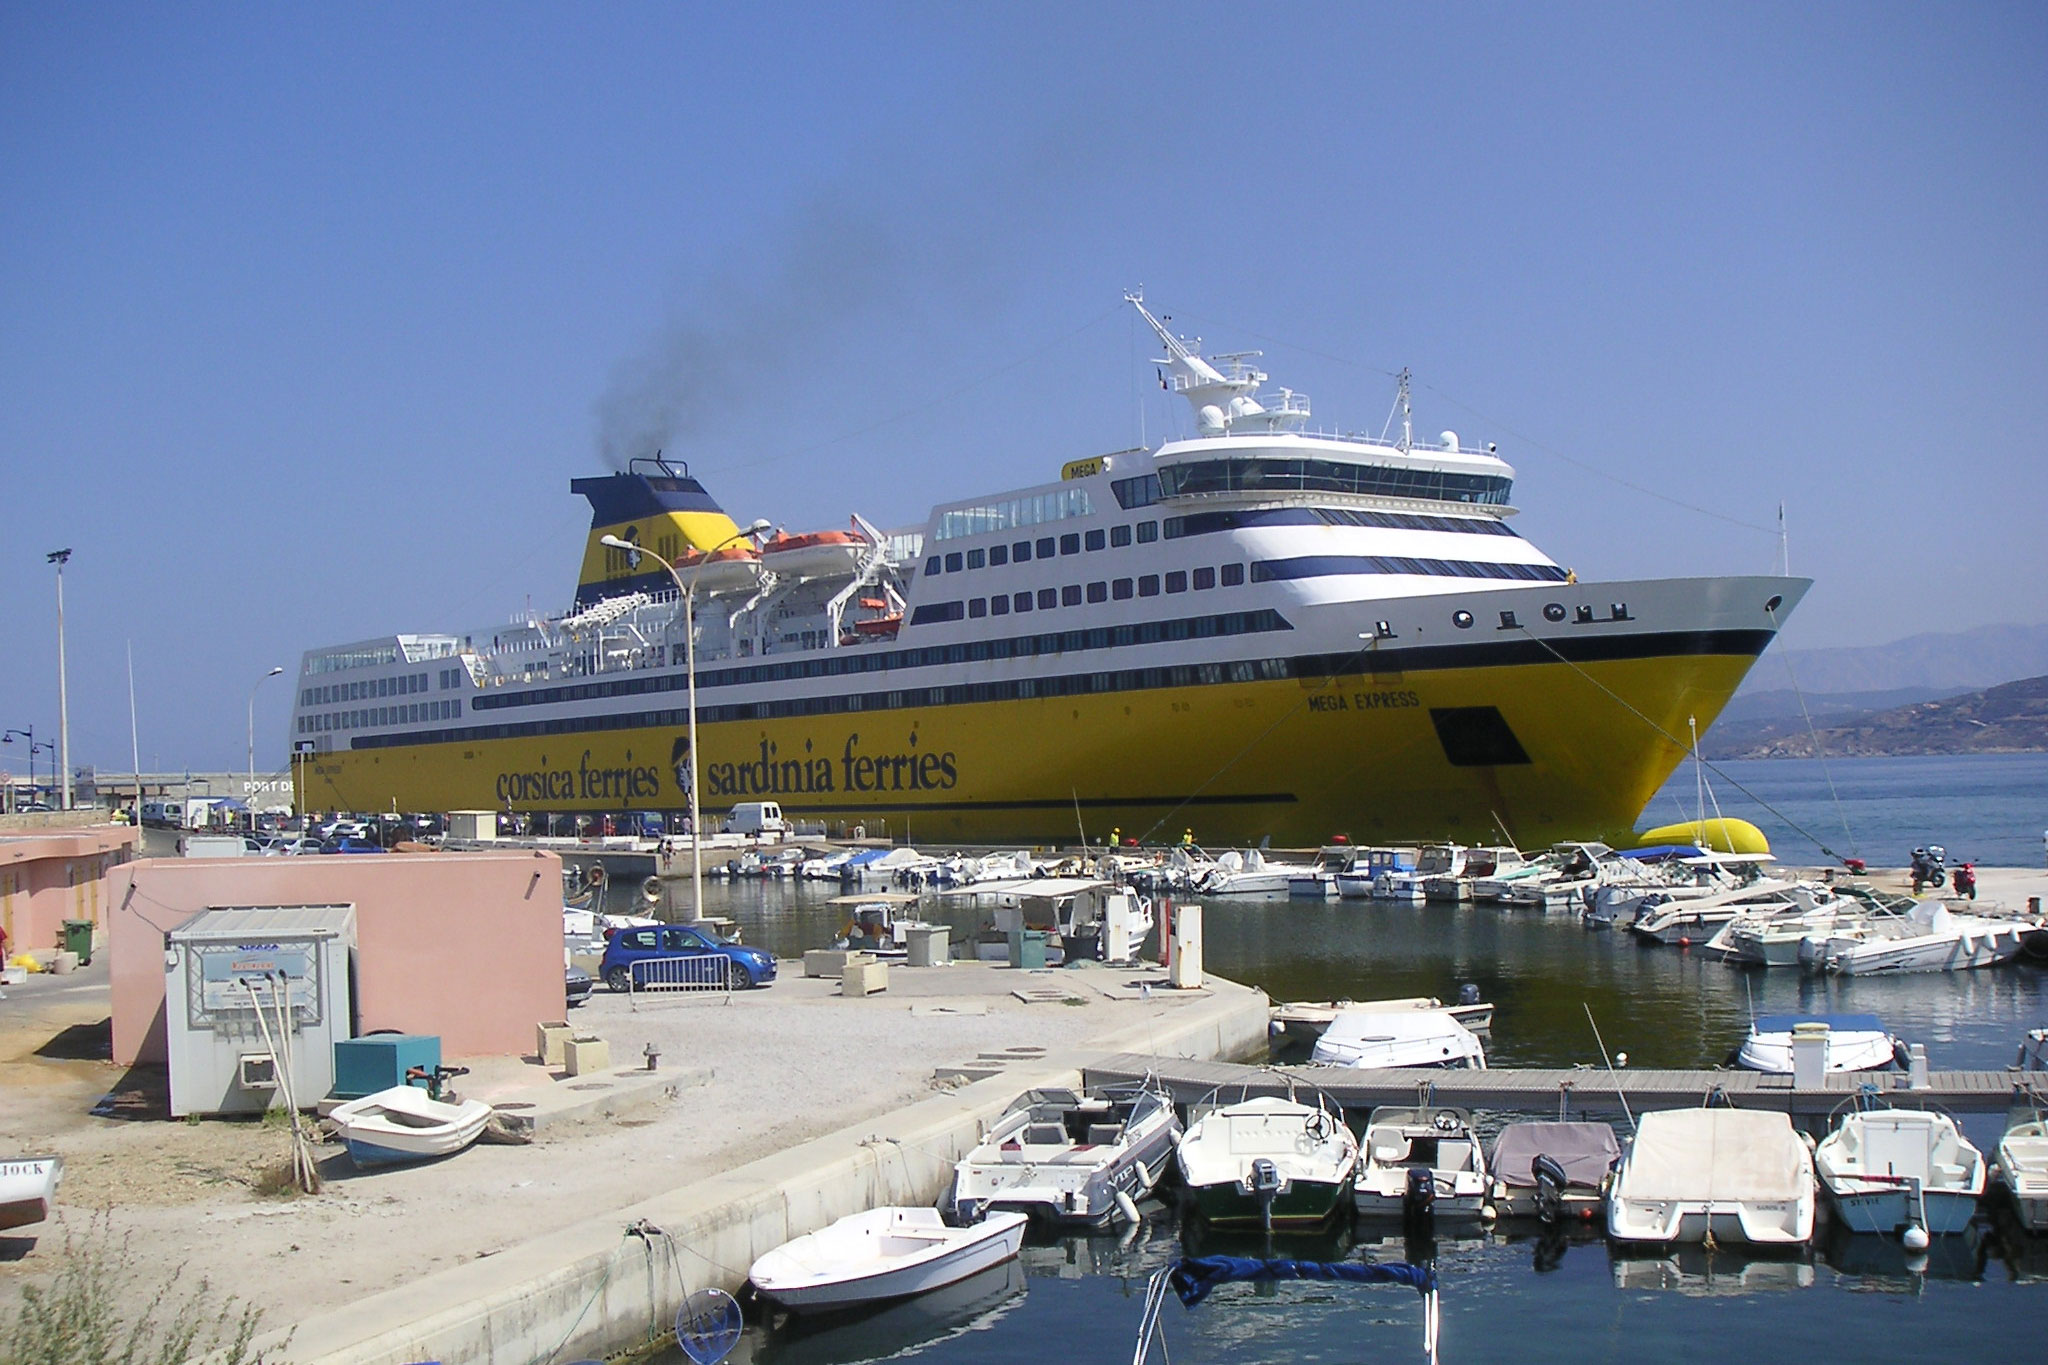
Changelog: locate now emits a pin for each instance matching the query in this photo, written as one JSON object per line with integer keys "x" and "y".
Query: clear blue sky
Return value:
{"x": 309, "y": 314}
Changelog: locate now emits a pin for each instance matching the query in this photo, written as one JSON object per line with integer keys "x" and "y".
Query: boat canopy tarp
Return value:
{"x": 1837, "y": 1023}
{"x": 1587, "y": 1151}
{"x": 1195, "y": 1276}
{"x": 1657, "y": 852}
{"x": 1717, "y": 1154}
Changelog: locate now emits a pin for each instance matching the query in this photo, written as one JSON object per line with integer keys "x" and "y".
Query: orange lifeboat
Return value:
{"x": 819, "y": 554}
{"x": 721, "y": 570}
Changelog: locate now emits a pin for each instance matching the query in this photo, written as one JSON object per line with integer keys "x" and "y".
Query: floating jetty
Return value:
{"x": 1580, "y": 1090}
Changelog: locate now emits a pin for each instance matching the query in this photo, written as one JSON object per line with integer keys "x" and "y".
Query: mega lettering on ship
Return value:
{"x": 1258, "y": 631}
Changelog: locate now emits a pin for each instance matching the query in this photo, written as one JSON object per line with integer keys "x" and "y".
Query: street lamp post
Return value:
{"x": 688, "y": 592}
{"x": 30, "y": 734}
{"x": 60, "y": 558}
{"x": 250, "y": 790}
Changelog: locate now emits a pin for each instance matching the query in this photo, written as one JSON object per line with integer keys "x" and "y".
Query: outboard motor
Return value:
{"x": 1551, "y": 1181}
{"x": 1418, "y": 1199}
{"x": 1265, "y": 1186}
{"x": 1468, "y": 994}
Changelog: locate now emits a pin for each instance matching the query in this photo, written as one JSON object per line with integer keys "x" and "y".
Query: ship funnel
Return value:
{"x": 652, "y": 504}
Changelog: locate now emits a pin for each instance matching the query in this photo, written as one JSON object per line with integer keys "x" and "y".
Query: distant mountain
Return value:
{"x": 1983, "y": 657}
{"x": 2009, "y": 718}
{"x": 1784, "y": 705}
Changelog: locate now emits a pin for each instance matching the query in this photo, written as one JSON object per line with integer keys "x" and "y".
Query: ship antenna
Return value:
{"x": 1407, "y": 417}
{"x": 1784, "y": 545}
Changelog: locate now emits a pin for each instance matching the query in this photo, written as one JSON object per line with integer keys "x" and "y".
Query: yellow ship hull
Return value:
{"x": 1295, "y": 760}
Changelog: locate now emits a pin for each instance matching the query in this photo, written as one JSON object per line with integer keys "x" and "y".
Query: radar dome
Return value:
{"x": 1210, "y": 419}
{"x": 1449, "y": 439}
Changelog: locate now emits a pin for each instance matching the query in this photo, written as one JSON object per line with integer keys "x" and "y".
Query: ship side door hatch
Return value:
{"x": 1476, "y": 736}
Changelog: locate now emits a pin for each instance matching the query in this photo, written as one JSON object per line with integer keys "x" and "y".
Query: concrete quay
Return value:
{"x": 615, "y": 1281}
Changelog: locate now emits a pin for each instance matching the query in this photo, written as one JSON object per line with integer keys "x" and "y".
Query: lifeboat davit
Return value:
{"x": 820, "y": 554}
{"x": 721, "y": 570}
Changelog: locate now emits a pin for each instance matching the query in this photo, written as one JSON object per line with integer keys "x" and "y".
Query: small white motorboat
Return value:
{"x": 1888, "y": 1169}
{"x": 1072, "y": 1158}
{"x": 1553, "y": 1169}
{"x": 1423, "y": 1038}
{"x": 402, "y": 1124}
{"x": 2022, "y": 1171}
{"x": 1423, "y": 1163}
{"x": 1855, "y": 1042}
{"x": 1269, "y": 1162}
{"x": 1736, "y": 1175}
{"x": 885, "y": 1253}
{"x": 28, "y": 1186}
{"x": 1931, "y": 938}
{"x": 1304, "y": 1021}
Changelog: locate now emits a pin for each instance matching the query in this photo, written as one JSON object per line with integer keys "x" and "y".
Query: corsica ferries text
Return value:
{"x": 584, "y": 782}
{"x": 770, "y": 774}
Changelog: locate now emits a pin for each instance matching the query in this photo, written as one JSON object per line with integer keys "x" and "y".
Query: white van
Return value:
{"x": 756, "y": 817}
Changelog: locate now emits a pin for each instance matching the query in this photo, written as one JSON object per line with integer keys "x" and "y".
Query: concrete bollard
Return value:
{"x": 1916, "y": 1066}
{"x": 1809, "y": 1055}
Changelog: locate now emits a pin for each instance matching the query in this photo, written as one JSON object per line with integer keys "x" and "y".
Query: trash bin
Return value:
{"x": 78, "y": 939}
{"x": 1027, "y": 949}
{"x": 928, "y": 945}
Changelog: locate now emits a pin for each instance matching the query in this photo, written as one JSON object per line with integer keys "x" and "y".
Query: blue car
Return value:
{"x": 681, "y": 954}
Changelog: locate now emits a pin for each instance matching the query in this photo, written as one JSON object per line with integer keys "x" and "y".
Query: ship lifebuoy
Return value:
{"x": 651, "y": 888}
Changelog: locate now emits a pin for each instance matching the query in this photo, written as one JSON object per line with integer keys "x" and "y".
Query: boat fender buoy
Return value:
{"x": 1915, "y": 1238}
{"x": 1127, "y": 1207}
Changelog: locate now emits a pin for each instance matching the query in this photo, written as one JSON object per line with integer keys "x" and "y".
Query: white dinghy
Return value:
{"x": 1733, "y": 1174}
{"x": 1269, "y": 1162}
{"x": 1853, "y": 1042}
{"x": 1411, "y": 1037}
{"x": 28, "y": 1186}
{"x": 2022, "y": 1170}
{"x": 886, "y": 1253}
{"x": 1422, "y": 1164}
{"x": 1069, "y": 1157}
{"x": 1892, "y": 1169}
{"x": 402, "y": 1124}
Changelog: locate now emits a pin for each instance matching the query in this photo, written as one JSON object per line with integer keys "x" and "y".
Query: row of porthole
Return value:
{"x": 1553, "y": 612}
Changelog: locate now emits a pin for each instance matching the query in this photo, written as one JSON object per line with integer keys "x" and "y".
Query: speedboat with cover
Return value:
{"x": 885, "y": 1253}
{"x": 1423, "y": 1163}
{"x": 1418, "y": 1038}
{"x": 1070, "y": 1157}
{"x": 1854, "y": 1042}
{"x": 1888, "y": 1169}
{"x": 1553, "y": 1169}
{"x": 1269, "y": 1161}
{"x": 1732, "y": 1175}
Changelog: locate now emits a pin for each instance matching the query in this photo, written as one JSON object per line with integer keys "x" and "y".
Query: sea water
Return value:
{"x": 1515, "y": 1297}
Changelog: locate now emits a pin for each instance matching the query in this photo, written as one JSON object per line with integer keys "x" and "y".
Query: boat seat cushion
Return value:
{"x": 1389, "y": 1147}
{"x": 1105, "y": 1134}
{"x": 1044, "y": 1135}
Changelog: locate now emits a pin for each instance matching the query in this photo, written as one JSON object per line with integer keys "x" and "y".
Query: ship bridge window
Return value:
{"x": 953, "y": 562}
{"x": 1121, "y": 589}
{"x": 931, "y": 613}
{"x": 1148, "y": 585}
{"x": 1120, "y": 536}
{"x": 1233, "y": 575}
{"x": 1142, "y": 491}
{"x": 1022, "y": 601}
{"x": 999, "y": 606}
{"x": 1045, "y": 546}
{"x": 998, "y": 555}
{"x": 1097, "y": 539}
{"x": 1148, "y": 531}
{"x": 1332, "y": 476}
{"x": 976, "y": 558}
{"x": 1070, "y": 544}
{"x": 1021, "y": 552}
{"x": 1048, "y": 598}
{"x": 1070, "y": 595}
{"x": 1205, "y": 578}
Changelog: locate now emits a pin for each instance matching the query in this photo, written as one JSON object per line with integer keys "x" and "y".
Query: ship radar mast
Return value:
{"x": 1224, "y": 400}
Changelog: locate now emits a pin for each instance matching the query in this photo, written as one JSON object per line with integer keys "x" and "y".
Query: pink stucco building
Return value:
{"x": 51, "y": 875}
{"x": 464, "y": 945}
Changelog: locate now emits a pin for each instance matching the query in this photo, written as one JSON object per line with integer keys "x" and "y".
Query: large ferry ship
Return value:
{"x": 1260, "y": 631}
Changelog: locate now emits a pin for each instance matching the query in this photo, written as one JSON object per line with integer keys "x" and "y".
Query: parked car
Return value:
{"x": 285, "y": 848}
{"x": 349, "y": 843}
{"x": 745, "y": 966}
{"x": 577, "y": 985}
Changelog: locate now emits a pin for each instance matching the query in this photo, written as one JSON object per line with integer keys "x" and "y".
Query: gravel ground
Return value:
{"x": 789, "y": 1063}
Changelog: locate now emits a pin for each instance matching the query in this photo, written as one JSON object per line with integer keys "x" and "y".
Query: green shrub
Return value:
{"x": 82, "y": 1316}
